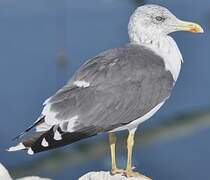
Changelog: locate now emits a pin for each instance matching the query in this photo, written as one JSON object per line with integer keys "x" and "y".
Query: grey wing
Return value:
{"x": 111, "y": 90}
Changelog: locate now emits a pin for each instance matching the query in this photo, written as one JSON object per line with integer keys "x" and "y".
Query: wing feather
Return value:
{"x": 118, "y": 86}
{"x": 125, "y": 84}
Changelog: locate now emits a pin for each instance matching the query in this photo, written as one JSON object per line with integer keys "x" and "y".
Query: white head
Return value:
{"x": 153, "y": 21}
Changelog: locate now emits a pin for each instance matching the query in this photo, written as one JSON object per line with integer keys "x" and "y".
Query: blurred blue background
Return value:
{"x": 43, "y": 42}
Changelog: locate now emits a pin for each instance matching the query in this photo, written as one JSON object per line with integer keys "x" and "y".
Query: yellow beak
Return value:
{"x": 190, "y": 26}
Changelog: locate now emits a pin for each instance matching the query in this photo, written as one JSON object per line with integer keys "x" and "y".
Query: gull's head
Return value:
{"x": 157, "y": 20}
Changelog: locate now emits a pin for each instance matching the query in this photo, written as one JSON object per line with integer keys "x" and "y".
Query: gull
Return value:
{"x": 116, "y": 90}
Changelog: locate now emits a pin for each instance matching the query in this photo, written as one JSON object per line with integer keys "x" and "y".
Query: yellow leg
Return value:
{"x": 112, "y": 141}
{"x": 129, "y": 171}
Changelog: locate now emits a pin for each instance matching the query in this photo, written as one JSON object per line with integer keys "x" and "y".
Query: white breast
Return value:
{"x": 166, "y": 47}
{"x": 134, "y": 124}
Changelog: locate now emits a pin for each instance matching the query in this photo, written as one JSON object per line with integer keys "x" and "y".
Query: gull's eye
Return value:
{"x": 160, "y": 18}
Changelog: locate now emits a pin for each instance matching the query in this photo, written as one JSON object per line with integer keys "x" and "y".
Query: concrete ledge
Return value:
{"x": 4, "y": 175}
{"x": 107, "y": 176}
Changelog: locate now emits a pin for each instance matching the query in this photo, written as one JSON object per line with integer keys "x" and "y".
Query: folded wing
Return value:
{"x": 111, "y": 90}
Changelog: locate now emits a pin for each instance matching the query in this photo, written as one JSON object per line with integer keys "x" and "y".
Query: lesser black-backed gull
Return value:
{"x": 116, "y": 90}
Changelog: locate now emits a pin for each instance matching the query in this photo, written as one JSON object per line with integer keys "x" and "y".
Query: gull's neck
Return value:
{"x": 162, "y": 45}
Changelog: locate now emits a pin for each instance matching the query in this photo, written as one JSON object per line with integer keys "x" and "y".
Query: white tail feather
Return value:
{"x": 20, "y": 146}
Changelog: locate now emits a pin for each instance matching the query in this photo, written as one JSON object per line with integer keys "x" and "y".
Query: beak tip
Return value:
{"x": 202, "y": 31}
{"x": 196, "y": 28}
{"x": 190, "y": 26}
{"x": 199, "y": 29}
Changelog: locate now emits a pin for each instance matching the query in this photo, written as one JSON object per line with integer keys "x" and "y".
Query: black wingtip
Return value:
{"x": 41, "y": 120}
{"x": 19, "y": 136}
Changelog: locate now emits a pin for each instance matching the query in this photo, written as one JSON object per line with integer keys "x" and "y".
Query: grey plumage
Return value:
{"x": 124, "y": 84}
{"x": 116, "y": 90}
